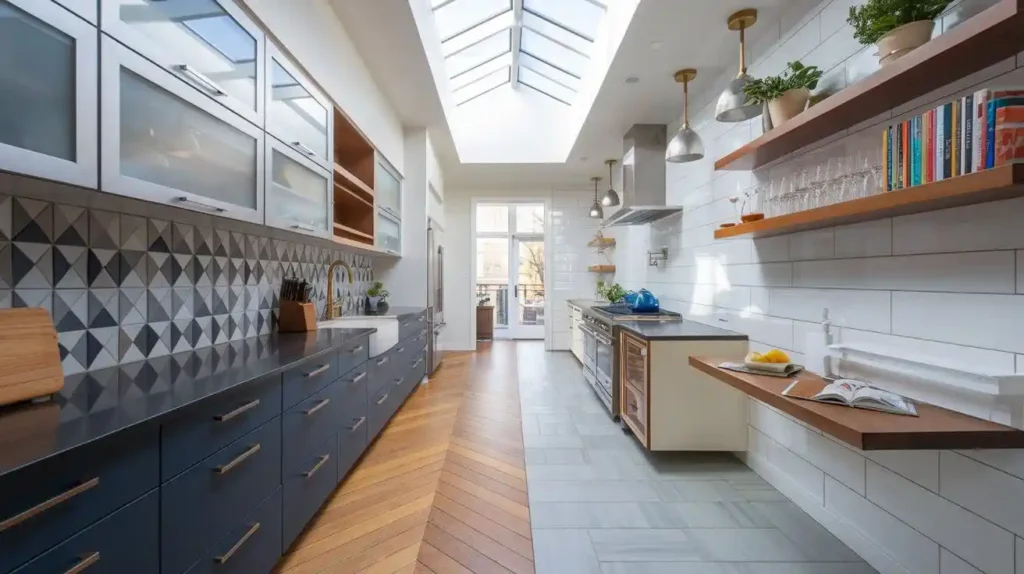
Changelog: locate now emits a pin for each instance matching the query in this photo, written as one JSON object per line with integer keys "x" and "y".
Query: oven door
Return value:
{"x": 589, "y": 348}
{"x": 604, "y": 361}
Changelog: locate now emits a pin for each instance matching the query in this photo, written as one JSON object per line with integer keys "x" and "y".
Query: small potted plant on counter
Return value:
{"x": 895, "y": 26}
{"x": 613, "y": 292}
{"x": 786, "y": 94}
{"x": 377, "y": 298}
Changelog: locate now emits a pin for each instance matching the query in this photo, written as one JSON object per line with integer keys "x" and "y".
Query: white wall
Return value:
{"x": 312, "y": 32}
{"x": 945, "y": 286}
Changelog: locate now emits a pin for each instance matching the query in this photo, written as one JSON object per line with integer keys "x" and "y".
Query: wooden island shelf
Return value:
{"x": 1002, "y": 182}
{"x": 935, "y": 428}
{"x": 976, "y": 43}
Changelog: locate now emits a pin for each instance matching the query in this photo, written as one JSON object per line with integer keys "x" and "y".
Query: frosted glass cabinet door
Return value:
{"x": 210, "y": 44}
{"x": 165, "y": 142}
{"x": 48, "y": 83}
{"x": 297, "y": 113}
{"x": 389, "y": 233}
{"x": 297, "y": 191}
{"x": 388, "y": 188}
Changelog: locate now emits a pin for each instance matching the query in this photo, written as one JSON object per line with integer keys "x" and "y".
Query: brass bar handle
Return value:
{"x": 358, "y": 424}
{"x": 382, "y": 399}
{"x": 238, "y": 545}
{"x": 318, "y": 406}
{"x": 318, "y": 370}
{"x": 238, "y": 460}
{"x": 246, "y": 407}
{"x": 357, "y": 349}
{"x": 358, "y": 378}
{"x": 323, "y": 460}
{"x": 382, "y": 361}
{"x": 86, "y": 561}
{"x": 48, "y": 504}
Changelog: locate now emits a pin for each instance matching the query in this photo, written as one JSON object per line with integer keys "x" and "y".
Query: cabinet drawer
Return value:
{"x": 353, "y": 391}
{"x": 61, "y": 496}
{"x": 310, "y": 423}
{"x": 381, "y": 368}
{"x": 126, "y": 542}
{"x": 412, "y": 325}
{"x": 297, "y": 113}
{"x": 200, "y": 432}
{"x": 252, "y": 547}
{"x": 380, "y": 410}
{"x": 353, "y": 355}
{"x": 200, "y": 506}
{"x": 306, "y": 488}
{"x": 309, "y": 377}
{"x": 353, "y": 437}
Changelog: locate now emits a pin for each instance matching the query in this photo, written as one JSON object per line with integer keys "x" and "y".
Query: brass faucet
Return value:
{"x": 332, "y": 310}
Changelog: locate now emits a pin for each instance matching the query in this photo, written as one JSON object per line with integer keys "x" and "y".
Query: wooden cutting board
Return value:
{"x": 29, "y": 358}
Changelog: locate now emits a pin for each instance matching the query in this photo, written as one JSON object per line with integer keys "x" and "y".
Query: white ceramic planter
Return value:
{"x": 900, "y": 41}
{"x": 788, "y": 105}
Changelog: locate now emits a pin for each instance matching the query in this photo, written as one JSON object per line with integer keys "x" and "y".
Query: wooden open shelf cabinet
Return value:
{"x": 1002, "y": 182}
{"x": 978, "y": 42}
{"x": 355, "y": 212}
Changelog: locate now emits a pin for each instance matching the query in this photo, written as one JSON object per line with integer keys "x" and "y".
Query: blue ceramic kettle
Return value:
{"x": 645, "y": 302}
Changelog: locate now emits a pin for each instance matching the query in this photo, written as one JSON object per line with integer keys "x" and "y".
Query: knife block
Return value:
{"x": 294, "y": 317}
{"x": 29, "y": 359}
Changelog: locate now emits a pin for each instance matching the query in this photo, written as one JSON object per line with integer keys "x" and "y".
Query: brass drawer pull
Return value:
{"x": 358, "y": 378}
{"x": 382, "y": 399}
{"x": 46, "y": 505}
{"x": 358, "y": 424}
{"x": 382, "y": 361}
{"x": 318, "y": 406}
{"x": 86, "y": 561}
{"x": 323, "y": 460}
{"x": 246, "y": 407}
{"x": 357, "y": 349}
{"x": 318, "y": 370}
{"x": 238, "y": 545}
{"x": 238, "y": 460}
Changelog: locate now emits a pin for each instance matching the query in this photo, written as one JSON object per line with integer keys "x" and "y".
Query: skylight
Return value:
{"x": 544, "y": 45}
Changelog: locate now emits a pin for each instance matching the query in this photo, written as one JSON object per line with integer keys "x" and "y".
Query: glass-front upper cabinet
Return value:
{"x": 210, "y": 44}
{"x": 48, "y": 86}
{"x": 165, "y": 142}
{"x": 298, "y": 191}
{"x": 389, "y": 232}
{"x": 297, "y": 113}
{"x": 388, "y": 188}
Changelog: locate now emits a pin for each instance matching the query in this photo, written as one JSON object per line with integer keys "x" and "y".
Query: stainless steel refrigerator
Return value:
{"x": 435, "y": 292}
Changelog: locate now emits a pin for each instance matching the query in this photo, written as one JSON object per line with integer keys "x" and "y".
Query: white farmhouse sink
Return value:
{"x": 385, "y": 337}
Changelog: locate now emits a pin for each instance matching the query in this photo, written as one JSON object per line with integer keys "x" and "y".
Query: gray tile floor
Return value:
{"x": 600, "y": 504}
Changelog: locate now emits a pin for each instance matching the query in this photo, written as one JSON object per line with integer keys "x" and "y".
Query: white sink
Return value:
{"x": 385, "y": 337}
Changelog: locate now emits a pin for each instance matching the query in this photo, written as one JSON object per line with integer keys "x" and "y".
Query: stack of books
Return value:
{"x": 970, "y": 134}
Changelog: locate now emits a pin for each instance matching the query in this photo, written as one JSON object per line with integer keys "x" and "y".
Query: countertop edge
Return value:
{"x": 646, "y": 337}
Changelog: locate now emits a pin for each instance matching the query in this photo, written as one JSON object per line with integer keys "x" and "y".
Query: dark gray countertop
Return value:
{"x": 679, "y": 331}
{"x": 99, "y": 403}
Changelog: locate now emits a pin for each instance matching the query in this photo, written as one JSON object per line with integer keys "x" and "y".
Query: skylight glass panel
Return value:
{"x": 556, "y": 33}
{"x": 485, "y": 84}
{"x": 553, "y": 53}
{"x": 480, "y": 53}
{"x": 461, "y": 15}
{"x": 226, "y": 36}
{"x": 478, "y": 33}
{"x": 478, "y": 72}
{"x": 549, "y": 71}
{"x": 580, "y": 16}
{"x": 538, "y": 82}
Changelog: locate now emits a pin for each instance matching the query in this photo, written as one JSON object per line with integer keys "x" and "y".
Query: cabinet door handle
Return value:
{"x": 358, "y": 424}
{"x": 48, "y": 504}
{"x": 305, "y": 149}
{"x": 382, "y": 361}
{"x": 357, "y": 349}
{"x": 318, "y": 370}
{"x": 303, "y": 226}
{"x": 318, "y": 406}
{"x": 401, "y": 350}
{"x": 398, "y": 382}
{"x": 382, "y": 399}
{"x": 206, "y": 206}
{"x": 230, "y": 415}
{"x": 238, "y": 460}
{"x": 86, "y": 561}
{"x": 358, "y": 378}
{"x": 323, "y": 460}
{"x": 417, "y": 362}
{"x": 238, "y": 545}
{"x": 404, "y": 325}
{"x": 186, "y": 70}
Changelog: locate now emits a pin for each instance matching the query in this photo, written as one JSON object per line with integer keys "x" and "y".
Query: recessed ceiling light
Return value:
{"x": 632, "y": 80}
{"x": 656, "y": 44}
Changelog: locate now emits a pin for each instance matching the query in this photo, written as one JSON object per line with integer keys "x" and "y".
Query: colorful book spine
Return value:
{"x": 968, "y": 134}
{"x": 1009, "y": 134}
{"x": 919, "y": 154}
{"x": 955, "y": 142}
{"x": 947, "y": 141}
{"x": 938, "y": 143}
{"x": 977, "y": 123}
{"x": 912, "y": 129}
{"x": 994, "y": 104}
{"x": 886, "y": 154}
{"x": 930, "y": 148}
{"x": 905, "y": 156}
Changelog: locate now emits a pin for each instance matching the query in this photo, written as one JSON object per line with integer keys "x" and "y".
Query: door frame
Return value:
{"x": 515, "y": 329}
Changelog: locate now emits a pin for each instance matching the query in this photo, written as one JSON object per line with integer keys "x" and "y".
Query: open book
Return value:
{"x": 851, "y": 393}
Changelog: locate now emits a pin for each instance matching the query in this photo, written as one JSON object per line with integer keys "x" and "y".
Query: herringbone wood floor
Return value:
{"x": 442, "y": 490}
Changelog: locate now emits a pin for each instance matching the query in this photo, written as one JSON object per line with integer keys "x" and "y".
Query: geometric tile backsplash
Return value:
{"x": 122, "y": 288}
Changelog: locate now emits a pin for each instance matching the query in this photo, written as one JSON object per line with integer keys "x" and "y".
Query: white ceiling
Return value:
{"x": 686, "y": 33}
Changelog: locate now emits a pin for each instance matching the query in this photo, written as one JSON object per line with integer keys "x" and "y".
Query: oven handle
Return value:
{"x": 603, "y": 340}
{"x": 588, "y": 331}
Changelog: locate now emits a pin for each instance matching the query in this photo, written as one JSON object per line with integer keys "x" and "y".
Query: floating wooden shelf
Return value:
{"x": 976, "y": 43}
{"x": 601, "y": 268}
{"x": 990, "y": 185}
{"x": 602, "y": 242}
{"x": 349, "y": 181}
{"x": 933, "y": 428}
{"x": 350, "y": 231}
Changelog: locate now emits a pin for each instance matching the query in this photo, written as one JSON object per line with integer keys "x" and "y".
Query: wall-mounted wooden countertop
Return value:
{"x": 934, "y": 428}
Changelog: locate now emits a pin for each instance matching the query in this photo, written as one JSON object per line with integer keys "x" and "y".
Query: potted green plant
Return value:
{"x": 377, "y": 295}
{"x": 895, "y": 26}
{"x": 786, "y": 94}
{"x": 613, "y": 292}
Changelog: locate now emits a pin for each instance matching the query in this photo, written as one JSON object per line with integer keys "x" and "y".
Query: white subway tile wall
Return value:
{"x": 945, "y": 287}
{"x": 571, "y": 229}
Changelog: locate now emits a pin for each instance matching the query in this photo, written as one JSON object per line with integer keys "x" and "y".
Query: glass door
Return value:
{"x": 527, "y": 321}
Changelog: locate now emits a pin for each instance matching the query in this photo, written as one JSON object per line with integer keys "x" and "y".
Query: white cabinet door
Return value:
{"x": 297, "y": 113}
{"x": 298, "y": 191}
{"x": 388, "y": 188}
{"x": 163, "y": 141}
{"x": 48, "y": 84}
{"x": 210, "y": 44}
{"x": 84, "y": 8}
{"x": 389, "y": 232}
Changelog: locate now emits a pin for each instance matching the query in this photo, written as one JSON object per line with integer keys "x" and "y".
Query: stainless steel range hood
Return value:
{"x": 643, "y": 177}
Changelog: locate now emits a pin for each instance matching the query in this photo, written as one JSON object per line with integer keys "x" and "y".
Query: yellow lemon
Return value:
{"x": 776, "y": 356}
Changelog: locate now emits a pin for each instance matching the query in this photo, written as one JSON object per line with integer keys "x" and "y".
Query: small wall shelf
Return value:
{"x": 973, "y": 45}
{"x": 602, "y": 242}
{"x": 1003, "y": 182}
{"x": 601, "y": 269}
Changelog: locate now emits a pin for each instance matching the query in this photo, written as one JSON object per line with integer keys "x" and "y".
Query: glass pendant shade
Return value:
{"x": 611, "y": 197}
{"x": 732, "y": 104}
{"x": 686, "y": 145}
{"x": 595, "y": 209}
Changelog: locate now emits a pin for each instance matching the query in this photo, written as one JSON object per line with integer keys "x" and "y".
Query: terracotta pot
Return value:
{"x": 900, "y": 41}
{"x": 788, "y": 105}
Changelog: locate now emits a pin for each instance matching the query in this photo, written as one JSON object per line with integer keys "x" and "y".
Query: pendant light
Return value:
{"x": 611, "y": 197}
{"x": 595, "y": 210}
{"x": 686, "y": 145}
{"x": 732, "y": 104}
